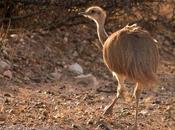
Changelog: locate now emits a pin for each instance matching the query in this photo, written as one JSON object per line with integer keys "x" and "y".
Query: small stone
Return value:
{"x": 8, "y": 74}
{"x": 76, "y": 68}
{"x": 88, "y": 79}
{"x": 75, "y": 54}
{"x": 144, "y": 112}
{"x": 56, "y": 75}
{"x": 22, "y": 40}
{"x": 154, "y": 17}
{"x": 13, "y": 35}
{"x": 26, "y": 78}
{"x": 4, "y": 66}
{"x": 65, "y": 39}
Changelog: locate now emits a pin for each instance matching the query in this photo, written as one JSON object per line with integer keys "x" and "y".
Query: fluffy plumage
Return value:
{"x": 132, "y": 52}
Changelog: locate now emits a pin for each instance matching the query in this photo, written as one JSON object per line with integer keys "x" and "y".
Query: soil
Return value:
{"x": 35, "y": 100}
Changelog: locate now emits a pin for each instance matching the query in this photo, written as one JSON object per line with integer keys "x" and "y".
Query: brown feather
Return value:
{"x": 132, "y": 52}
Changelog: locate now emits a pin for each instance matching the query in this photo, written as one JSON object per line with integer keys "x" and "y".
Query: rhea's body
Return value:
{"x": 133, "y": 53}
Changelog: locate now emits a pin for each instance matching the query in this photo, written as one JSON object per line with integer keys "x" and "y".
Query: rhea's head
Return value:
{"x": 95, "y": 13}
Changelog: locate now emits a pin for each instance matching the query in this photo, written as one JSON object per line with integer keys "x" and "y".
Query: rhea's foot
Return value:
{"x": 108, "y": 110}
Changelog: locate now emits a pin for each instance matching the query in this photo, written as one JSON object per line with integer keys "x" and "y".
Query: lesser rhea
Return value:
{"x": 129, "y": 53}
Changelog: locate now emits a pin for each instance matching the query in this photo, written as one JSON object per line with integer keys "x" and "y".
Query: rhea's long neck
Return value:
{"x": 102, "y": 35}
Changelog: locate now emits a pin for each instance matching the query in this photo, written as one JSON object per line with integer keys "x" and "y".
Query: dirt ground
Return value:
{"x": 35, "y": 99}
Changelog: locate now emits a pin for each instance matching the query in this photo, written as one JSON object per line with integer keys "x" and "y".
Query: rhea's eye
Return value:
{"x": 92, "y": 11}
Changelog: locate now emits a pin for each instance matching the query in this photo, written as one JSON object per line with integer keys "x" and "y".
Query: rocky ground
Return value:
{"x": 56, "y": 80}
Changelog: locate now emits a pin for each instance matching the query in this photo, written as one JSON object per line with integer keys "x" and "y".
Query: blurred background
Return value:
{"x": 51, "y": 65}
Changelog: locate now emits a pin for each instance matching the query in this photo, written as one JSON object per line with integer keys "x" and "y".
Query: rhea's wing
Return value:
{"x": 133, "y": 53}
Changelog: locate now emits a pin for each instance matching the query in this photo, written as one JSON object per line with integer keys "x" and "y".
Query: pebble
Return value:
{"x": 56, "y": 75}
{"x": 76, "y": 68}
{"x": 144, "y": 112}
{"x": 8, "y": 74}
{"x": 87, "y": 79}
{"x": 4, "y": 66}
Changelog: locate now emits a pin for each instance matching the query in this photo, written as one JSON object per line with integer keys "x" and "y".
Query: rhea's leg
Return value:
{"x": 137, "y": 93}
{"x": 108, "y": 109}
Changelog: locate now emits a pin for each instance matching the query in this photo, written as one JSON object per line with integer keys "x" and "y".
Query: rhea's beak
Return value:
{"x": 83, "y": 13}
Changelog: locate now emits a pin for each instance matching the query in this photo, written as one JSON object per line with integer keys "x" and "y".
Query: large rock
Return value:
{"x": 76, "y": 68}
